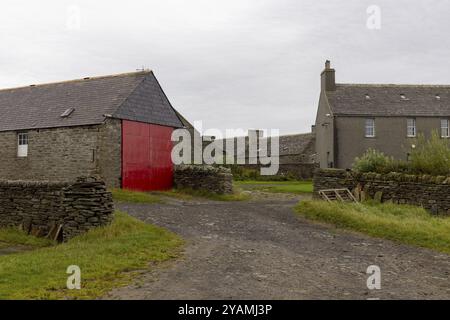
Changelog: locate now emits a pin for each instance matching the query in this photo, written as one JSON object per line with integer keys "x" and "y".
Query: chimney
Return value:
{"x": 327, "y": 76}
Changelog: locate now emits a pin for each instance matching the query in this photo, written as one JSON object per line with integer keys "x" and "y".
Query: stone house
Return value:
{"x": 387, "y": 117}
{"x": 118, "y": 127}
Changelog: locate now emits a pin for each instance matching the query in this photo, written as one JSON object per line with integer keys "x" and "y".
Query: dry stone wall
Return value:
{"x": 431, "y": 192}
{"x": 203, "y": 177}
{"x": 55, "y": 209}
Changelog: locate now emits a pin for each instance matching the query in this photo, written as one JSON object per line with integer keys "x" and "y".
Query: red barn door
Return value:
{"x": 146, "y": 160}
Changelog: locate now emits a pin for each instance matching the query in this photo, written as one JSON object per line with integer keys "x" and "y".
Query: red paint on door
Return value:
{"x": 146, "y": 156}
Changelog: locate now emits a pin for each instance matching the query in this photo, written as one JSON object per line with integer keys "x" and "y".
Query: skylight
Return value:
{"x": 67, "y": 113}
{"x": 403, "y": 97}
{"x": 367, "y": 96}
{"x": 438, "y": 97}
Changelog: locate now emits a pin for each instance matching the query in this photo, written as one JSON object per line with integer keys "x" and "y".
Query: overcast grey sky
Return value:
{"x": 231, "y": 63}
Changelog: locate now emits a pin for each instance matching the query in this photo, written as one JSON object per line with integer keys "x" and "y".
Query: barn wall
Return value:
{"x": 110, "y": 152}
{"x": 53, "y": 154}
{"x": 61, "y": 154}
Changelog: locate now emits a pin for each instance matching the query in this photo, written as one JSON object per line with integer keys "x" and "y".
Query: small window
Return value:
{"x": 445, "y": 128}
{"x": 22, "y": 145}
{"x": 411, "y": 128}
{"x": 370, "y": 128}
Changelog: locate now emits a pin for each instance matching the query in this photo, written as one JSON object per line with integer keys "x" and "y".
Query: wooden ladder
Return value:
{"x": 342, "y": 195}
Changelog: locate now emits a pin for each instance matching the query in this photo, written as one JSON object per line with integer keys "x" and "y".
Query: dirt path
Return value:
{"x": 260, "y": 250}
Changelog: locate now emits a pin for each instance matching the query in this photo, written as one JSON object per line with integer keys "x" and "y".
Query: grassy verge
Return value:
{"x": 296, "y": 187}
{"x": 400, "y": 223}
{"x": 107, "y": 257}
{"x": 189, "y": 194}
{"x": 123, "y": 195}
{"x": 130, "y": 196}
{"x": 14, "y": 237}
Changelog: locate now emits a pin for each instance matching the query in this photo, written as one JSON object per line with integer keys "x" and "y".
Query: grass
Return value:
{"x": 400, "y": 223}
{"x": 296, "y": 187}
{"x": 131, "y": 196}
{"x": 123, "y": 195}
{"x": 14, "y": 237}
{"x": 107, "y": 256}
{"x": 189, "y": 194}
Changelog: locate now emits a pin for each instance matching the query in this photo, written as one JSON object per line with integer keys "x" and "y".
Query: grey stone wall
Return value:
{"x": 203, "y": 177}
{"x": 325, "y": 148}
{"x": 299, "y": 171}
{"x": 40, "y": 208}
{"x": 53, "y": 154}
{"x": 110, "y": 152}
{"x": 66, "y": 153}
{"x": 431, "y": 192}
{"x": 391, "y": 138}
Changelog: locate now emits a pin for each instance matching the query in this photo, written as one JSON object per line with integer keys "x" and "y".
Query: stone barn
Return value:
{"x": 117, "y": 127}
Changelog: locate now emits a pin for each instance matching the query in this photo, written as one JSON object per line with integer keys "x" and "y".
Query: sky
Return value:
{"x": 229, "y": 63}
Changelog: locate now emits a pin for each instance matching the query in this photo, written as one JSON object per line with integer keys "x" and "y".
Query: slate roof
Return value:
{"x": 295, "y": 144}
{"x": 134, "y": 96}
{"x": 385, "y": 100}
{"x": 292, "y": 144}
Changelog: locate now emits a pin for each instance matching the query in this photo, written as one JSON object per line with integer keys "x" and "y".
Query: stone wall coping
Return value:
{"x": 203, "y": 168}
{"x": 392, "y": 176}
{"x": 29, "y": 183}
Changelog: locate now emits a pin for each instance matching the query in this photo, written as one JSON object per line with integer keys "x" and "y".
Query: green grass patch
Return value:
{"x": 123, "y": 195}
{"x": 296, "y": 187}
{"x": 401, "y": 223}
{"x": 107, "y": 256}
{"x": 189, "y": 194}
{"x": 14, "y": 237}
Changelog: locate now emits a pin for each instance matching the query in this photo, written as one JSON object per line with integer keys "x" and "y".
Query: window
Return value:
{"x": 370, "y": 128}
{"x": 445, "y": 128}
{"x": 22, "y": 145}
{"x": 67, "y": 113}
{"x": 411, "y": 128}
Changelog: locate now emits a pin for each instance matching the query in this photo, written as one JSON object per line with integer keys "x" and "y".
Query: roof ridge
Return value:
{"x": 393, "y": 85}
{"x": 296, "y": 134}
{"x": 124, "y": 74}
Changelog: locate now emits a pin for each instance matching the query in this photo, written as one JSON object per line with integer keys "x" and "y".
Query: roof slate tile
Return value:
{"x": 134, "y": 96}
{"x": 385, "y": 100}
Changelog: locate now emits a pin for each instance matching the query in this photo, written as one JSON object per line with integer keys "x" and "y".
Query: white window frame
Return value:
{"x": 411, "y": 130}
{"x": 370, "y": 128}
{"x": 445, "y": 128}
{"x": 22, "y": 144}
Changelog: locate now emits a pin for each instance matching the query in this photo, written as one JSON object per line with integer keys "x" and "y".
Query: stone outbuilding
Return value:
{"x": 117, "y": 127}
